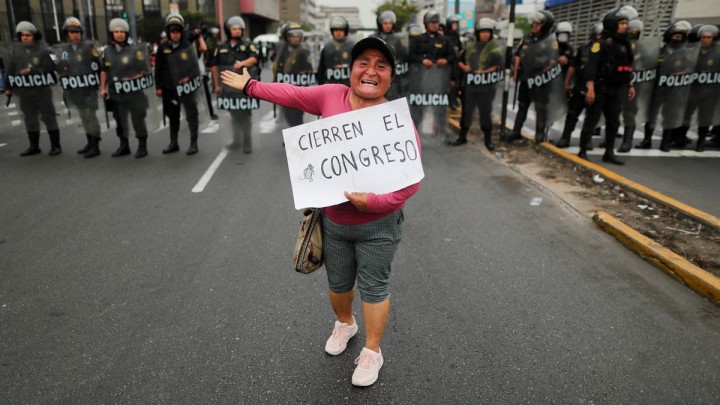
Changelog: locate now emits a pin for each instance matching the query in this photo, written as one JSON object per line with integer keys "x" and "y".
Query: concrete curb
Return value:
{"x": 701, "y": 281}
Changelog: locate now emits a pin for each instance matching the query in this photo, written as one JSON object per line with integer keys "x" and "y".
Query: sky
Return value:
{"x": 366, "y": 8}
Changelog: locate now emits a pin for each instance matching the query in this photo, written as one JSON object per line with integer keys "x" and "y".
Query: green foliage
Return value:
{"x": 522, "y": 23}
{"x": 404, "y": 11}
{"x": 198, "y": 19}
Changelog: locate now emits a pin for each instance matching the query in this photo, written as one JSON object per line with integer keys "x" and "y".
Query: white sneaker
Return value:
{"x": 337, "y": 342}
{"x": 368, "y": 368}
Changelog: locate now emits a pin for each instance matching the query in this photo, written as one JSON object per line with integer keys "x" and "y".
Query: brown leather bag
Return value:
{"x": 308, "y": 248}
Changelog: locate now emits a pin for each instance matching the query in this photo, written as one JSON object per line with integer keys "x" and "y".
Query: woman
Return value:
{"x": 361, "y": 235}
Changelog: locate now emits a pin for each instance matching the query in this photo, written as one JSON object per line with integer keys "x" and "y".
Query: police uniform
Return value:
{"x": 297, "y": 61}
{"x": 577, "y": 94}
{"x": 79, "y": 68}
{"x": 399, "y": 44}
{"x": 226, "y": 54}
{"x": 169, "y": 53}
{"x": 33, "y": 89}
{"x": 334, "y": 63}
{"x": 610, "y": 68}
{"x": 131, "y": 102}
{"x": 479, "y": 88}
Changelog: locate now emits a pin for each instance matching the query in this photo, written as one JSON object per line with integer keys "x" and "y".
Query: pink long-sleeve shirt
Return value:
{"x": 328, "y": 100}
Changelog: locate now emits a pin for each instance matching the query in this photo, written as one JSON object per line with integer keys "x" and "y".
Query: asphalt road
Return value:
{"x": 118, "y": 284}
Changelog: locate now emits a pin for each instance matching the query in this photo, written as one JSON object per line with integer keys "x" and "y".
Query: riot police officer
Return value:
{"x": 177, "y": 78}
{"x": 577, "y": 90}
{"x": 608, "y": 78}
{"x": 481, "y": 61}
{"x": 297, "y": 70}
{"x": 563, "y": 33}
{"x": 543, "y": 57}
{"x": 334, "y": 64}
{"x": 431, "y": 58}
{"x": 78, "y": 64}
{"x": 30, "y": 76}
{"x": 386, "y": 31}
{"x": 125, "y": 77}
{"x": 236, "y": 53}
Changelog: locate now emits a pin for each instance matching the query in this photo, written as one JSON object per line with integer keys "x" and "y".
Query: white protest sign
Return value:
{"x": 370, "y": 150}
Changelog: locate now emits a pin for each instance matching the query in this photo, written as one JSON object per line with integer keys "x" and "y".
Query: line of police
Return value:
{"x": 616, "y": 72}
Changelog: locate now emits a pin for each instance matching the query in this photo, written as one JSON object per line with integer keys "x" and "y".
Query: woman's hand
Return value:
{"x": 235, "y": 80}
{"x": 359, "y": 200}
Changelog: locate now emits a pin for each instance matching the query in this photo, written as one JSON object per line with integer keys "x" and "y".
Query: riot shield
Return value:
{"x": 231, "y": 99}
{"x": 674, "y": 83}
{"x": 399, "y": 44}
{"x": 336, "y": 63}
{"x": 185, "y": 73}
{"x": 542, "y": 72}
{"x": 32, "y": 78}
{"x": 131, "y": 83}
{"x": 645, "y": 54}
{"x": 479, "y": 86}
{"x": 428, "y": 91}
{"x": 703, "y": 108}
{"x": 78, "y": 69}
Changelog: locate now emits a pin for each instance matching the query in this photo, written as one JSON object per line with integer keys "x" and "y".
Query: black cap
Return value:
{"x": 377, "y": 44}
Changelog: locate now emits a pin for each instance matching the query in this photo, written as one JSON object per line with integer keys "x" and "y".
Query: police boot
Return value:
{"x": 702, "y": 134}
{"x": 665, "y": 142}
{"x": 173, "y": 146}
{"x": 94, "y": 149}
{"x": 86, "y": 147}
{"x": 564, "y": 140}
{"x": 142, "y": 147}
{"x": 647, "y": 140}
{"x": 55, "y": 148}
{"x": 609, "y": 156}
{"x": 488, "y": 139}
{"x": 677, "y": 138}
{"x": 462, "y": 139}
{"x": 34, "y": 148}
{"x": 627, "y": 139}
{"x": 540, "y": 136}
{"x": 124, "y": 148}
{"x": 715, "y": 140}
{"x": 193, "y": 149}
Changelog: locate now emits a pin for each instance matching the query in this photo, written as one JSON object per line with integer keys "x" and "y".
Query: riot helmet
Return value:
{"x": 413, "y": 29}
{"x": 118, "y": 24}
{"x": 563, "y": 31}
{"x": 234, "y": 21}
{"x": 339, "y": 23}
{"x": 678, "y": 27}
{"x": 484, "y": 24}
{"x": 595, "y": 30}
{"x": 26, "y": 26}
{"x": 455, "y": 18}
{"x": 174, "y": 20}
{"x": 431, "y": 16}
{"x": 214, "y": 31}
{"x": 709, "y": 29}
{"x": 294, "y": 28}
{"x": 635, "y": 28}
{"x": 546, "y": 20}
{"x": 72, "y": 24}
{"x": 386, "y": 15}
{"x": 612, "y": 18}
{"x": 693, "y": 34}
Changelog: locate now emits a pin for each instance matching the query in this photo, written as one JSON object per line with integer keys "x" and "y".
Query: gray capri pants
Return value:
{"x": 364, "y": 252}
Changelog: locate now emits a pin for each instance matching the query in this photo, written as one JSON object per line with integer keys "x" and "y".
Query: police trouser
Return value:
{"x": 576, "y": 105}
{"x": 133, "y": 107}
{"x": 482, "y": 100}
{"x": 241, "y": 122}
{"x": 523, "y": 106}
{"x": 608, "y": 102}
{"x": 37, "y": 104}
{"x": 293, "y": 117}
{"x": 86, "y": 104}
{"x": 171, "y": 108}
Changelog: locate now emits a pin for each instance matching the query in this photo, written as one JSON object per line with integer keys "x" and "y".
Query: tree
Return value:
{"x": 403, "y": 11}
{"x": 198, "y": 19}
{"x": 522, "y": 23}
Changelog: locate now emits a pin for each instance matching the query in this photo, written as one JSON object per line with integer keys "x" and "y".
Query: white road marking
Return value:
{"x": 212, "y": 127}
{"x": 205, "y": 179}
{"x": 11, "y": 113}
{"x": 267, "y": 123}
{"x": 16, "y": 122}
{"x": 2, "y": 144}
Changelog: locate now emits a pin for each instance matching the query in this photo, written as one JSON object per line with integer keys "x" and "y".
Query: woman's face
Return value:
{"x": 371, "y": 75}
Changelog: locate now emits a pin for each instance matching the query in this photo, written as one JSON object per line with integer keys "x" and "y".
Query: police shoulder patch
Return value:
{"x": 595, "y": 48}
{"x": 253, "y": 48}
{"x": 95, "y": 52}
{"x": 242, "y": 48}
{"x": 139, "y": 55}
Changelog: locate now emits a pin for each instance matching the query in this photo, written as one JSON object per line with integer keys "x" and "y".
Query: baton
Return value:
{"x": 66, "y": 105}
{"x": 7, "y": 103}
